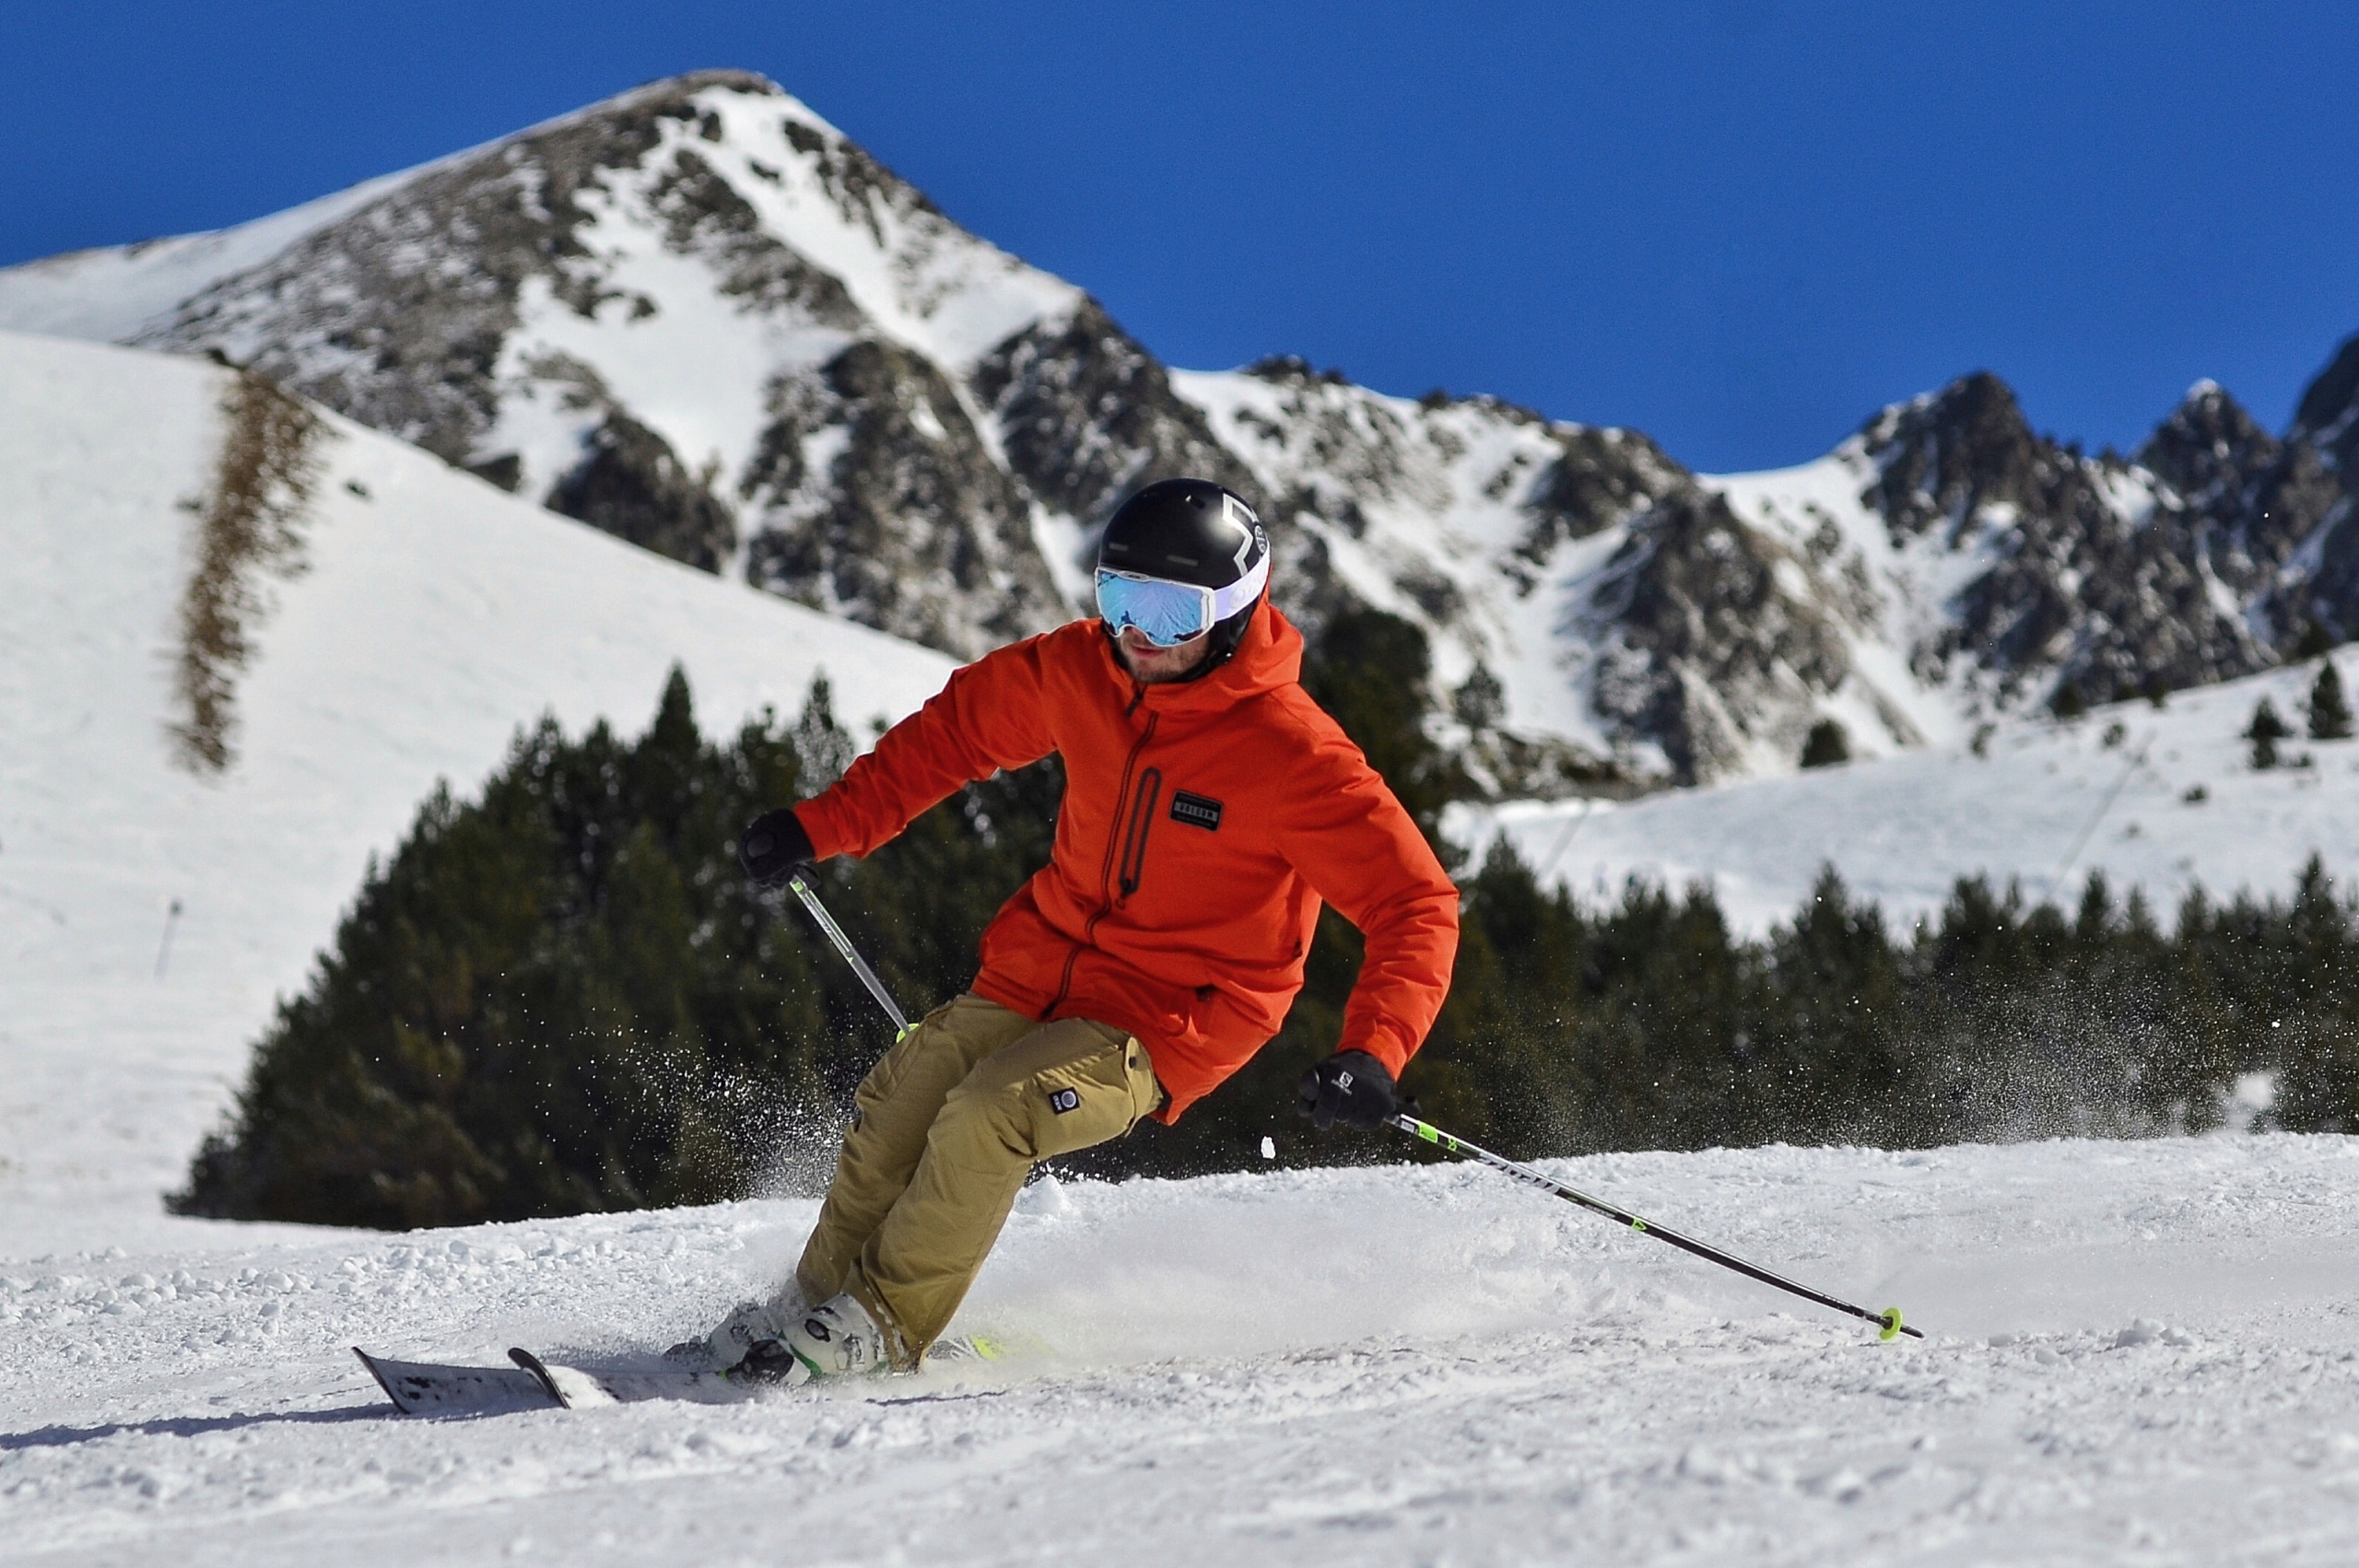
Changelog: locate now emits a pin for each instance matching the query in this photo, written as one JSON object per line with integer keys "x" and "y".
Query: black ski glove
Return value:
{"x": 774, "y": 848}
{"x": 1351, "y": 1087}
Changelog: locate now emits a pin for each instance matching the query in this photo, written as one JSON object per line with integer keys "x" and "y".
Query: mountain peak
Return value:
{"x": 2209, "y": 445}
{"x": 1951, "y": 451}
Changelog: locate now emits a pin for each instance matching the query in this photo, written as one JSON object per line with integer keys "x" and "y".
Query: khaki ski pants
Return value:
{"x": 944, "y": 1131}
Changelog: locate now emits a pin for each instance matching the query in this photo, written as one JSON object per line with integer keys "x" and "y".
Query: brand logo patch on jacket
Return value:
{"x": 1064, "y": 1100}
{"x": 1196, "y": 811}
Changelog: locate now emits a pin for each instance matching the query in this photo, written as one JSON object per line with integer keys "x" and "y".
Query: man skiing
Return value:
{"x": 1210, "y": 807}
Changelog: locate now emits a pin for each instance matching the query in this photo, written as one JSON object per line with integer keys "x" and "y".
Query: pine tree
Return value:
{"x": 1482, "y": 702}
{"x": 560, "y": 996}
{"x": 2330, "y": 715}
{"x": 1825, "y": 745}
{"x": 2265, "y": 730}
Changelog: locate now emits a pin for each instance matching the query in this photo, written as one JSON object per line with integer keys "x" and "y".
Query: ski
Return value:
{"x": 427, "y": 1389}
{"x": 578, "y": 1388}
{"x": 534, "y": 1383}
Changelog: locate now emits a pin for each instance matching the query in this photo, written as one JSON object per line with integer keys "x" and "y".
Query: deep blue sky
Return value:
{"x": 1739, "y": 225}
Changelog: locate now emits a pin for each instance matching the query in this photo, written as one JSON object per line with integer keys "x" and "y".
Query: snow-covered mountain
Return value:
{"x": 152, "y": 909}
{"x": 700, "y": 318}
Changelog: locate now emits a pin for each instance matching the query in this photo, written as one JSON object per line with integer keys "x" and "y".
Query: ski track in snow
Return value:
{"x": 2139, "y": 1352}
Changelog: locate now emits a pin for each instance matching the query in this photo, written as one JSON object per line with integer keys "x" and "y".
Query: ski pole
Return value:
{"x": 852, "y": 954}
{"x": 1888, "y": 1319}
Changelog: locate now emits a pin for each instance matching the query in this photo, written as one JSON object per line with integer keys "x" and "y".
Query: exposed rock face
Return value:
{"x": 2327, "y": 428}
{"x": 633, "y": 485}
{"x": 2251, "y": 498}
{"x": 397, "y": 315}
{"x": 1598, "y": 478}
{"x": 1087, "y": 416}
{"x": 698, "y": 317}
{"x": 910, "y": 525}
{"x": 1709, "y": 650}
{"x": 2095, "y": 574}
{"x": 2328, "y": 418}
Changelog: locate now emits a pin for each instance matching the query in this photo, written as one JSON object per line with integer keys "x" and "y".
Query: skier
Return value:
{"x": 1209, "y": 807}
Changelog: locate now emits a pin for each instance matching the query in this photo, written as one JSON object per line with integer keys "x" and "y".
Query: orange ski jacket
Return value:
{"x": 1202, "y": 822}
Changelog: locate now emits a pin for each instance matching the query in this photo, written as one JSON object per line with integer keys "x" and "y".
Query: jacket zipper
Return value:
{"x": 1114, "y": 839}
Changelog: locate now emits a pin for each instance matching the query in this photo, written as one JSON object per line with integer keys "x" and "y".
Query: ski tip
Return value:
{"x": 533, "y": 1364}
{"x": 384, "y": 1381}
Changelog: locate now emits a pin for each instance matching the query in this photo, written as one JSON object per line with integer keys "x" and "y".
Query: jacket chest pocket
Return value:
{"x": 1137, "y": 823}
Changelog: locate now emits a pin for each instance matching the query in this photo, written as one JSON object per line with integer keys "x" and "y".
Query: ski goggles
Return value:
{"x": 1169, "y": 614}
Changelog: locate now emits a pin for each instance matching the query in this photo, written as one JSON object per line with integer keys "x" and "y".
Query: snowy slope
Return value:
{"x": 436, "y": 615}
{"x": 119, "y": 292}
{"x": 2137, "y": 1354}
{"x": 2049, "y": 803}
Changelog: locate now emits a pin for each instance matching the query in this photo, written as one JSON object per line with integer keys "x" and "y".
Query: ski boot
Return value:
{"x": 754, "y": 1323}
{"x": 836, "y": 1338}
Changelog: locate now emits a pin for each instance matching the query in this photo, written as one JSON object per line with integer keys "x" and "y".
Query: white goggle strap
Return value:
{"x": 1240, "y": 594}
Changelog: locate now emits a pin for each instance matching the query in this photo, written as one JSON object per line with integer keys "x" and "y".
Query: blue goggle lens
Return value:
{"x": 1165, "y": 614}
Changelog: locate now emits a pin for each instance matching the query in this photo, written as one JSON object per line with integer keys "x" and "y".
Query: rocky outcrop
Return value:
{"x": 1708, "y": 649}
{"x": 1087, "y": 416}
{"x": 1600, "y": 476}
{"x": 397, "y": 315}
{"x": 2090, "y": 573}
{"x": 2252, "y": 500}
{"x": 2327, "y": 419}
{"x": 633, "y": 485}
{"x": 879, "y": 501}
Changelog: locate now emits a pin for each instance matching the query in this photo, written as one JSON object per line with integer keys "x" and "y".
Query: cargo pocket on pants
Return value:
{"x": 1079, "y": 1104}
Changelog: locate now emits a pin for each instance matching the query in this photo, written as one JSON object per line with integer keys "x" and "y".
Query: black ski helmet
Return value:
{"x": 1191, "y": 530}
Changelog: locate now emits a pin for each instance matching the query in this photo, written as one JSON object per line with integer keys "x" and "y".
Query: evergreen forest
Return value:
{"x": 561, "y": 996}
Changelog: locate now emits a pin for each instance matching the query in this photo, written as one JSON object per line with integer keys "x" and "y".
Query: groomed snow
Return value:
{"x": 2137, "y": 1353}
{"x": 1903, "y": 830}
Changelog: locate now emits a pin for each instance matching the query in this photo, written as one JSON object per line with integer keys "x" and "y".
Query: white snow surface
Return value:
{"x": 2136, "y": 1353}
{"x": 436, "y": 617}
{"x": 1903, "y": 830}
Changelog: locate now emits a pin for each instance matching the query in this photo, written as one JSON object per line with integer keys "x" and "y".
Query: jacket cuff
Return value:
{"x": 819, "y": 825}
{"x": 1384, "y": 1044}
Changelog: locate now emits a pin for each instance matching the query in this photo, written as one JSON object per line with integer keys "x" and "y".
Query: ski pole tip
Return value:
{"x": 1893, "y": 1328}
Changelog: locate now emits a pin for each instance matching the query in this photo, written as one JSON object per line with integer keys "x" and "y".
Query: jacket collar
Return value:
{"x": 1268, "y": 656}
